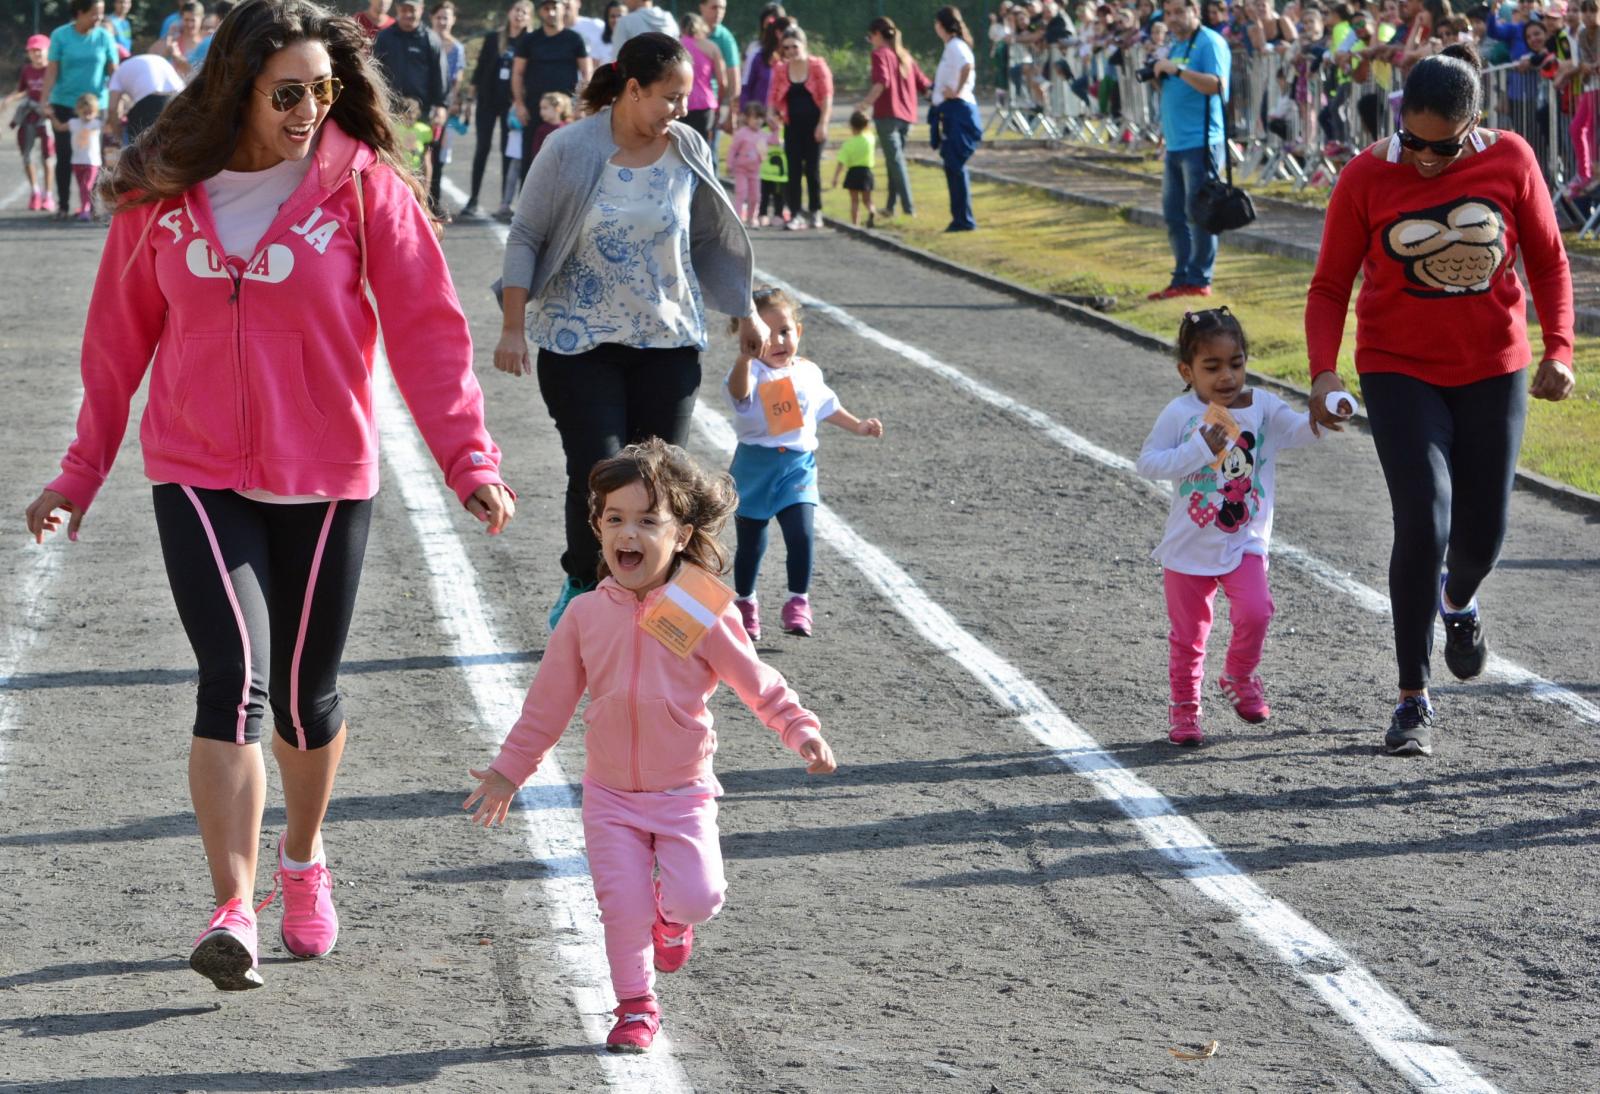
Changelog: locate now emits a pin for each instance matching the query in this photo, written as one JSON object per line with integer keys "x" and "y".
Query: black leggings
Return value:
{"x": 799, "y": 536}
{"x": 265, "y": 592}
{"x": 800, "y": 145}
{"x": 601, "y": 400}
{"x": 483, "y": 123}
{"x": 65, "y": 200}
{"x": 1449, "y": 455}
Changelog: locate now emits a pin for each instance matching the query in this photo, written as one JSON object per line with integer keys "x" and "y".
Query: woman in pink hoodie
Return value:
{"x": 649, "y": 654}
{"x": 237, "y": 273}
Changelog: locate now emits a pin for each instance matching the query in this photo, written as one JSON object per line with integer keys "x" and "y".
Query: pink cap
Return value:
{"x": 39, "y": 41}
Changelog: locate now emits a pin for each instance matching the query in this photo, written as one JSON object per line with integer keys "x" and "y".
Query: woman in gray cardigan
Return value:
{"x": 621, "y": 238}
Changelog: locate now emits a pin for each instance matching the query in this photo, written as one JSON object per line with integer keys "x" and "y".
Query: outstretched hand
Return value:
{"x": 42, "y": 516}
{"x": 753, "y": 335}
{"x": 870, "y": 427}
{"x": 819, "y": 757}
{"x": 492, "y": 797}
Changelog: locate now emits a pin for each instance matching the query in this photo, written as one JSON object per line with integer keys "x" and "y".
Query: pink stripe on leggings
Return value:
{"x": 305, "y": 620}
{"x": 238, "y": 613}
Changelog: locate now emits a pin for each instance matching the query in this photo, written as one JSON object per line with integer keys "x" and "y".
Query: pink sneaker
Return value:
{"x": 35, "y": 202}
{"x": 1183, "y": 724}
{"x": 1248, "y": 697}
{"x": 638, "y": 1022}
{"x": 797, "y": 616}
{"x": 49, "y": 205}
{"x": 750, "y": 614}
{"x": 226, "y": 953}
{"x": 310, "y": 924}
{"x": 674, "y": 942}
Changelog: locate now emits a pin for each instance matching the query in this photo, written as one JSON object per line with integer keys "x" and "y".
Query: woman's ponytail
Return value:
{"x": 646, "y": 58}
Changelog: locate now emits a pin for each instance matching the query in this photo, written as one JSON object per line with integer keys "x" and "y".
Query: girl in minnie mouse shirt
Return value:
{"x": 1218, "y": 442}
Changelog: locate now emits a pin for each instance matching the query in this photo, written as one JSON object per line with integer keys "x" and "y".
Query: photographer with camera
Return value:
{"x": 1194, "y": 84}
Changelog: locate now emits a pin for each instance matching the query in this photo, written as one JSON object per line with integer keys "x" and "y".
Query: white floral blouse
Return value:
{"x": 630, "y": 280}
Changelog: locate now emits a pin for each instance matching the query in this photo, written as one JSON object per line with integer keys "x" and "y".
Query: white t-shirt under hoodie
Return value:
{"x": 1220, "y": 514}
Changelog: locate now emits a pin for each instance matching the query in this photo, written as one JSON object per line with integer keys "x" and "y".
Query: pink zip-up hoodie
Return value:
{"x": 262, "y": 370}
{"x": 647, "y": 726}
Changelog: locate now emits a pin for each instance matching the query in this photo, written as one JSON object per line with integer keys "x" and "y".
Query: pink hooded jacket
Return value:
{"x": 262, "y": 371}
{"x": 647, "y": 723}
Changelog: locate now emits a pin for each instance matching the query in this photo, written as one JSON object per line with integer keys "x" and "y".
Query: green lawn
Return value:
{"x": 1058, "y": 247}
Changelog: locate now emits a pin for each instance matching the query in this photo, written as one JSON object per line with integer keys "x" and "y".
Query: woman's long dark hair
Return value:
{"x": 950, "y": 19}
{"x": 195, "y": 136}
{"x": 884, "y": 28}
{"x": 772, "y": 34}
{"x": 644, "y": 57}
{"x": 605, "y": 17}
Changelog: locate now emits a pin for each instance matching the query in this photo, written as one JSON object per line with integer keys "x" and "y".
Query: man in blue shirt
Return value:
{"x": 1194, "y": 83}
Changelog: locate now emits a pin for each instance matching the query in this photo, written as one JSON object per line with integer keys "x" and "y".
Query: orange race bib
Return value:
{"x": 688, "y": 608}
{"x": 782, "y": 407}
{"x": 1217, "y": 414}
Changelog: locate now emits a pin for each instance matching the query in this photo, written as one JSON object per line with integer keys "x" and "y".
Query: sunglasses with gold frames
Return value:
{"x": 285, "y": 97}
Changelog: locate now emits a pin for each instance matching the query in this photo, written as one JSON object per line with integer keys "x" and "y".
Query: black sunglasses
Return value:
{"x": 285, "y": 97}
{"x": 1448, "y": 149}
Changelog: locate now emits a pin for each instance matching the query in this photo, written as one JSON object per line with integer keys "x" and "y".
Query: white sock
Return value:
{"x": 751, "y": 599}
{"x": 801, "y": 596}
{"x": 318, "y": 859}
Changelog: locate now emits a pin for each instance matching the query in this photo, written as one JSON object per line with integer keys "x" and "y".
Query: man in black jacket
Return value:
{"x": 412, "y": 58}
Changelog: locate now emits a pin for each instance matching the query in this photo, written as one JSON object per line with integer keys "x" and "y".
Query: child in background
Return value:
{"x": 515, "y": 135}
{"x": 1219, "y": 443}
{"x": 121, "y": 28}
{"x": 85, "y": 134}
{"x": 415, "y": 136}
{"x": 555, "y": 110}
{"x": 777, "y": 402}
{"x": 746, "y": 151}
{"x": 33, "y": 124}
{"x": 649, "y": 792}
{"x": 774, "y": 179}
{"x": 855, "y": 162}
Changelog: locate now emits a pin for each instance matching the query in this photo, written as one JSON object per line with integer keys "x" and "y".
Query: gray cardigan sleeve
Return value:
{"x": 530, "y": 228}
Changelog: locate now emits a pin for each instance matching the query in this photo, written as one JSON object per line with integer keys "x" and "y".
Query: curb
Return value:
{"x": 1562, "y": 494}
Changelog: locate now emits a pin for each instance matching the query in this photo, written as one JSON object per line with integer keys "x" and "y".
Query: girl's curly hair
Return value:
{"x": 672, "y": 480}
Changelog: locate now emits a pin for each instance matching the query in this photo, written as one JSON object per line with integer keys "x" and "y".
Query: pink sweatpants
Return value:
{"x": 1189, "y": 599}
{"x": 85, "y": 173}
{"x": 629, "y": 837}
{"x": 747, "y": 192}
{"x": 1582, "y": 132}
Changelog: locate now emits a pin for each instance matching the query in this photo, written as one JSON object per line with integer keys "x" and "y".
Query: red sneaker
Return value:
{"x": 638, "y": 1022}
{"x": 1168, "y": 293}
{"x": 1248, "y": 697}
{"x": 1194, "y": 290}
{"x": 674, "y": 942}
{"x": 1183, "y": 721}
{"x": 750, "y": 616}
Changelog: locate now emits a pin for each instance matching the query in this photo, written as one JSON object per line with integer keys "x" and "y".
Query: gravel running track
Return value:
{"x": 953, "y": 911}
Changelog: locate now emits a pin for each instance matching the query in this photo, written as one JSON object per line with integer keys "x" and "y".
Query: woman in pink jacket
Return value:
{"x": 649, "y": 646}
{"x": 244, "y": 242}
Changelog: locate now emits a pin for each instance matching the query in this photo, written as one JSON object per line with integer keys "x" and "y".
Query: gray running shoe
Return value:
{"x": 1411, "y": 729}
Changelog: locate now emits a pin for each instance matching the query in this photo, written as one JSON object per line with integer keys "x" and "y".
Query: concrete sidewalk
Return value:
{"x": 1281, "y": 228}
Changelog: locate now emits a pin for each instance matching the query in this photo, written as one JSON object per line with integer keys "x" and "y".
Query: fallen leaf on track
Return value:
{"x": 1205, "y": 1053}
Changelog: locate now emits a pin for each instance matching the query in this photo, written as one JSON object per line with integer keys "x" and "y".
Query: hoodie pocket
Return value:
{"x": 195, "y": 402}
{"x": 670, "y": 742}
{"x": 285, "y": 422}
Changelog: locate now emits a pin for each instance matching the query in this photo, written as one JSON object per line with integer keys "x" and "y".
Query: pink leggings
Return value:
{"x": 1582, "y": 131}
{"x": 629, "y": 836}
{"x": 747, "y": 192}
{"x": 1189, "y": 600}
{"x": 85, "y": 173}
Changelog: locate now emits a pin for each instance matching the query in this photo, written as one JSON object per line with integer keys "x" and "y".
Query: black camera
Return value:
{"x": 1146, "y": 72}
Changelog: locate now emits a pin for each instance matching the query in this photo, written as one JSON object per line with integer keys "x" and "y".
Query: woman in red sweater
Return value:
{"x": 1432, "y": 219}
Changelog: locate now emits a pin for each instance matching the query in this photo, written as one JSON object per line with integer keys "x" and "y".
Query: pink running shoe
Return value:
{"x": 35, "y": 202}
{"x": 1248, "y": 697}
{"x": 797, "y": 616}
{"x": 1183, "y": 724}
{"x": 750, "y": 614}
{"x": 638, "y": 1022}
{"x": 674, "y": 942}
{"x": 310, "y": 925}
{"x": 226, "y": 953}
{"x": 49, "y": 205}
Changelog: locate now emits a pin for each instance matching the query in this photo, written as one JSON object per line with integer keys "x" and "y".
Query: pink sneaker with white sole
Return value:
{"x": 797, "y": 616}
{"x": 672, "y": 942}
{"x": 226, "y": 953}
{"x": 638, "y": 1022}
{"x": 310, "y": 924}
{"x": 750, "y": 616}
{"x": 1248, "y": 696}
{"x": 1183, "y": 724}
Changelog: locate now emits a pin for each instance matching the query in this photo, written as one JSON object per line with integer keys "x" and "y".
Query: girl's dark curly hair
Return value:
{"x": 1198, "y": 326}
{"x": 673, "y": 481}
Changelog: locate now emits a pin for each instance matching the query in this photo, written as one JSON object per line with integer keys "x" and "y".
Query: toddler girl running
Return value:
{"x": 649, "y": 654}
{"x": 1218, "y": 442}
{"x": 85, "y": 129}
{"x": 777, "y": 402}
{"x": 746, "y": 152}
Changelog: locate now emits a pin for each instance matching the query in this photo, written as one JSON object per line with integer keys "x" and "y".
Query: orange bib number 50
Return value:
{"x": 782, "y": 407}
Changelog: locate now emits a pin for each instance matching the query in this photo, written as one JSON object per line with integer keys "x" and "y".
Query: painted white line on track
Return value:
{"x": 39, "y": 567}
{"x": 1324, "y": 573}
{"x": 1399, "y": 1036}
{"x": 549, "y": 812}
{"x": 16, "y": 195}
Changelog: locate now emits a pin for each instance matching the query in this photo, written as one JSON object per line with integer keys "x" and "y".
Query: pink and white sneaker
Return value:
{"x": 310, "y": 924}
{"x": 226, "y": 953}
{"x": 750, "y": 616}
{"x": 49, "y": 205}
{"x": 1248, "y": 696}
{"x": 797, "y": 616}
{"x": 35, "y": 201}
{"x": 1183, "y": 724}
{"x": 673, "y": 943}
{"x": 638, "y": 1022}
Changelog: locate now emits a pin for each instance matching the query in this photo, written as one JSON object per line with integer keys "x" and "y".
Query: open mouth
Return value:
{"x": 629, "y": 561}
{"x": 299, "y": 133}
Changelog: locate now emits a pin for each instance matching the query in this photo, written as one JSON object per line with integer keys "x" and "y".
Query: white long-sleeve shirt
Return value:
{"x": 1220, "y": 514}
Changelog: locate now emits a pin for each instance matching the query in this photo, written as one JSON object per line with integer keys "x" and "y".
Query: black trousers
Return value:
{"x": 483, "y": 126}
{"x": 64, "y": 198}
{"x": 143, "y": 115}
{"x": 805, "y": 162}
{"x": 1449, "y": 455}
{"x": 610, "y": 396}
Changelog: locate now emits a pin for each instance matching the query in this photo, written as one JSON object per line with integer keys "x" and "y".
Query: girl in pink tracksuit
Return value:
{"x": 746, "y": 152}
{"x": 649, "y": 793}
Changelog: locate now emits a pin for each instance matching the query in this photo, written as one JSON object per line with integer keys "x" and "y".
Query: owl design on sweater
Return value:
{"x": 1449, "y": 250}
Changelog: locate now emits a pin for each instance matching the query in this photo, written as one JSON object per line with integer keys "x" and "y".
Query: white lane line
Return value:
{"x": 1398, "y": 1035}
{"x": 549, "y": 809}
{"x": 16, "y": 195}
{"x": 39, "y": 566}
{"x": 1322, "y": 572}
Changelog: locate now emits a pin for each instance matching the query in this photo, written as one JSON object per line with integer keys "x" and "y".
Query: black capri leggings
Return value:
{"x": 483, "y": 125}
{"x": 265, "y": 592}
{"x": 1449, "y": 455}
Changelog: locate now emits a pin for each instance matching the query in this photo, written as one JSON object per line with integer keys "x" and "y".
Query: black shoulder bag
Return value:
{"x": 1220, "y": 206}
